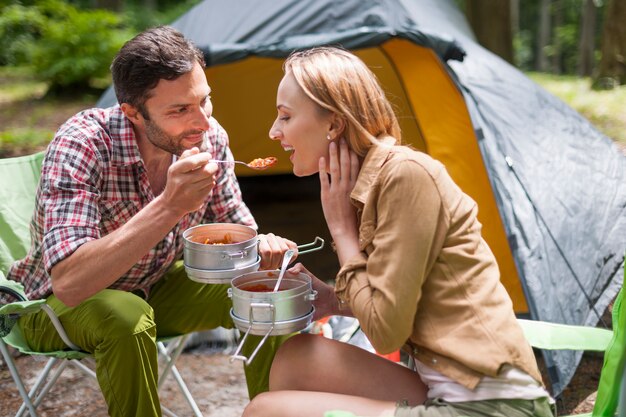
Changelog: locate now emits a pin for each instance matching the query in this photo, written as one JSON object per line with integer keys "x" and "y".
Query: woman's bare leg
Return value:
{"x": 314, "y": 404}
{"x": 313, "y": 363}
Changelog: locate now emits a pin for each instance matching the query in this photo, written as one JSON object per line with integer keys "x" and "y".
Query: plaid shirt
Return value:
{"x": 93, "y": 181}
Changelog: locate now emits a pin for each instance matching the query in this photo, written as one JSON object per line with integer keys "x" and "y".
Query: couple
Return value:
{"x": 120, "y": 185}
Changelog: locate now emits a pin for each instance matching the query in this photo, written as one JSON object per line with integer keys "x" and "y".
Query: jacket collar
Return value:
{"x": 372, "y": 164}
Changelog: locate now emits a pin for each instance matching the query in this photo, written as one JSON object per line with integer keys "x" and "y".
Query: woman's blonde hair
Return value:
{"x": 339, "y": 82}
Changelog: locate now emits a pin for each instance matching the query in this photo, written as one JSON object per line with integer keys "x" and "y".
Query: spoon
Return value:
{"x": 286, "y": 258}
{"x": 258, "y": 163}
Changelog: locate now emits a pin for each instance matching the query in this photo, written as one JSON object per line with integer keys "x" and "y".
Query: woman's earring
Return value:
{"x": 328, "y": 137}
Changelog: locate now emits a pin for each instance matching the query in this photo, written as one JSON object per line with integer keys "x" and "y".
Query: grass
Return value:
{"x": 28, "y": 119}
{"x": 606, "y": 109}
{"x": 17, "y": 83}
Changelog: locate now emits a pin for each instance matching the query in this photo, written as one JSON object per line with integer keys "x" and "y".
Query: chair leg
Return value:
{"x": 77, "y": 363}
{"x": 17, "y": 379}
{"x": 170, "y": 355}
{"x": 170, "y": 359}
{"x": 43, "y": 376}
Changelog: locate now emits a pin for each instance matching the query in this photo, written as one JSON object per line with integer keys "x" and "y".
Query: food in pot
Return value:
{"x": 256, "y": 288}
{"x": 227, "y": 240}
{"x": 263, "y": 162}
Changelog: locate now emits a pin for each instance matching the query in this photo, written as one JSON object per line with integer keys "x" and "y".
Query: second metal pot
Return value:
{"x": 254, "y": 300}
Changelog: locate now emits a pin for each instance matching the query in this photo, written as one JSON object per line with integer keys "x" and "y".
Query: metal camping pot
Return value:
{"x": 220, "y": 246}
{"x": 258, "y": 310}
{"x": 230, "y": 250}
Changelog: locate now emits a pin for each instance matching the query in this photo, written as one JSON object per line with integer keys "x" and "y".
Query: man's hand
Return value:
{"x": 189, "y": 182}
{"x": 272, "y": 248}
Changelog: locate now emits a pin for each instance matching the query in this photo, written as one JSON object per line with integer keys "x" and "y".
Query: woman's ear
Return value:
{"x": 337, "y": 126}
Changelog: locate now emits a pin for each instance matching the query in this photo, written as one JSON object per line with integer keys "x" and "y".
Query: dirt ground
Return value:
{"x": 217, "y": 385}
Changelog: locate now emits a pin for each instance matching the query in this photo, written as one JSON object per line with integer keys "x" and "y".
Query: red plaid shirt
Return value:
{"x": 93, "y": 181}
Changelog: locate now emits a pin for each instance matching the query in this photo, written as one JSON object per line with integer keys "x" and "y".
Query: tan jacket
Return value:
{"x": 425, "y": 277}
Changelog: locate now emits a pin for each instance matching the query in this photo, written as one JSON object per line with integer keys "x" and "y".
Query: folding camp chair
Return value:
{"x": 18, "y": 182}
{"x": 611, "y": 396}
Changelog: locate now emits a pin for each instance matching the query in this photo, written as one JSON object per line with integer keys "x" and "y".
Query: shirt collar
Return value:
{"x": 372, "y": 164}
{"x": 124, "y": 144}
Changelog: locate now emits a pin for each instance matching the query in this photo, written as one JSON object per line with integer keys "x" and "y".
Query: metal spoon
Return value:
{"x": 286, "y": 258}
{"x": 265, "y": 163}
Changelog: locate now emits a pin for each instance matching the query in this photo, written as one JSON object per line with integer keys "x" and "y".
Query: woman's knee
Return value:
{"x": 260, "y": 406}
{"x": 297, "y": 354}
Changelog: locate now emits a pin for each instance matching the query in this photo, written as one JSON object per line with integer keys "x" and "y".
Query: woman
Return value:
{"x": 415, "y": 270}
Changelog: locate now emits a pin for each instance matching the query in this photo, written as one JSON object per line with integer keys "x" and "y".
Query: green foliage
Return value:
{"x": 25, "y": 137}
{"x": 78, "y": 48}
{"x": 23, "y": 141}
{"x": 20, "y": 27}
{"x": 604, "y": 109}
{"x": 523, "y": 49}
{"x": 143, "y": 18}
{"x": 66, "y": 47}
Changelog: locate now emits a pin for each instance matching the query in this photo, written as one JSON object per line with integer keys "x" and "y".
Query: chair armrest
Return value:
{"x": 553, "y": 336}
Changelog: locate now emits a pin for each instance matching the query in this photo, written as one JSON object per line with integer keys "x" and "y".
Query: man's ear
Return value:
{"x": 337, "y": 126}
{"x": 132, "y": 113}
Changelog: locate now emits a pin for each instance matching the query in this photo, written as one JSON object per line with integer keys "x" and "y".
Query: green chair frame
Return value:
{"x": 19, "y": 178}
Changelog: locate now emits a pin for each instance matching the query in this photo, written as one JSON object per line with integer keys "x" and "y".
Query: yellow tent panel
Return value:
{"x": 431, "y": 111}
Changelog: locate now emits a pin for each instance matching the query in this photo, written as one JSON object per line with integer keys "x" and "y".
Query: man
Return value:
{"x": 119, "y": 186}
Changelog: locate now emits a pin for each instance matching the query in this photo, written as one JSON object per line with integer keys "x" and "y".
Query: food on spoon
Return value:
{"x": 263, "y": 162}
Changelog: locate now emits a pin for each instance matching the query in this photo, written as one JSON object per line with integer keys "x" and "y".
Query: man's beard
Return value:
{"x": 171, "y": 144}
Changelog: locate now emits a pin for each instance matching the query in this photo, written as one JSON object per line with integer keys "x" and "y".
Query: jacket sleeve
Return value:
{"x": 383, "y": 285}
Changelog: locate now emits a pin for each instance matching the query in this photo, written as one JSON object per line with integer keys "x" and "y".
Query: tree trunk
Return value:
{"x": 113, "y": 5}
{"x": 150, "y": 4}
{"x": 557, "y": 64}
{"x": 586, "y": 45}
{"x": 543, "y": 37}
{"x": 515, "y": 19}
{"x": 491, "y": 22}
{"x": 612, "y": 66}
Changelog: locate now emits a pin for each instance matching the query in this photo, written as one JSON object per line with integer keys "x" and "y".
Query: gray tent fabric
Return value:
{"x": 558, "y": 182}
{"x": 560, "y": 189}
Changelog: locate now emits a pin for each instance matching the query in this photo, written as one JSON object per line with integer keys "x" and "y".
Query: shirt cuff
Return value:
{"x": 57, "y": 245}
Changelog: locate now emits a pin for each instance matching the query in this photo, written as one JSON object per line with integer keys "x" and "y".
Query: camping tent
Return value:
{"x": 550, "y": 188}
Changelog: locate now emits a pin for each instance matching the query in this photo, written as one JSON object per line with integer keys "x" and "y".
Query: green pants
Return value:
{"x": 120, "y": 329}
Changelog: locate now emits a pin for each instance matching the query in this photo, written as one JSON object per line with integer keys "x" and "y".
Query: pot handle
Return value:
{"x": 318, "y": 241}
{"x": 243, "y": 358}
{"x": 235, "y": 255}
{"x": 311, "y": 296}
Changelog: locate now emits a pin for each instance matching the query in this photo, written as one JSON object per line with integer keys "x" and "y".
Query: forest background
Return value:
{"x": 55, "y": 55}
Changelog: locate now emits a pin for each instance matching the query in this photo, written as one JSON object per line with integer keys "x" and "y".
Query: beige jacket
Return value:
{"x": 425, "y": 277}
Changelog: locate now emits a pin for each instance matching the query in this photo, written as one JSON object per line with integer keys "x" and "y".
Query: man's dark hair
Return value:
{"x": 155, "y": 54}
